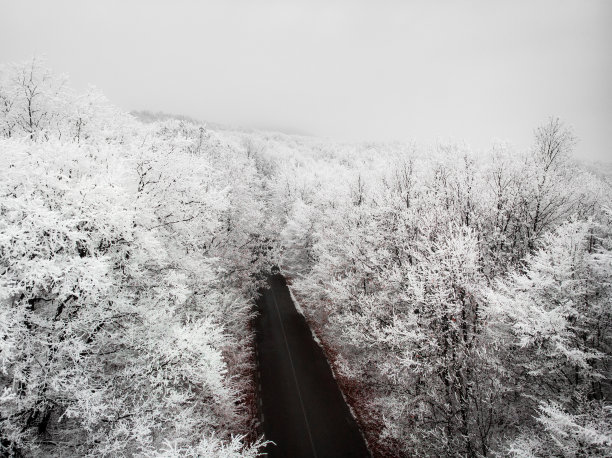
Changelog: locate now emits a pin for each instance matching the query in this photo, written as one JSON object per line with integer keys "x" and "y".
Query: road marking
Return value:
{"x": 297, "y": 386}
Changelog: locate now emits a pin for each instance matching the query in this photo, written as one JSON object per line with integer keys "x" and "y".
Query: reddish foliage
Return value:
{"x": 356, "y": 393}
{"x": 248, "y": 403}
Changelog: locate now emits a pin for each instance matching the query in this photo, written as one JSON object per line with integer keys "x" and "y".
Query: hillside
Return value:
{"x": 462, "y": 299}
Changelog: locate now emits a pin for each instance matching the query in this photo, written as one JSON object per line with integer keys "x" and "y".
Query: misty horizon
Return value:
{"x": 470, "y": 72}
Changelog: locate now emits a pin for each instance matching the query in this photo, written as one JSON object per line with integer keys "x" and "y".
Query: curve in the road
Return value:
{"x": 302, "y": 408}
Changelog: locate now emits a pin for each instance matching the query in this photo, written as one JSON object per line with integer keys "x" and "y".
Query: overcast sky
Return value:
{"x": 350, "y": 70}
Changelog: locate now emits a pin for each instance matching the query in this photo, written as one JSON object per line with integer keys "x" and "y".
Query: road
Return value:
{"x": 302, "y": 408}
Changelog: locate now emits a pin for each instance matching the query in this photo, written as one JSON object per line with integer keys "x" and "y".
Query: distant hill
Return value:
{"x": 147, "y": 116}
{"x": 150, "y": 116}
{"x": 599, "y": 168}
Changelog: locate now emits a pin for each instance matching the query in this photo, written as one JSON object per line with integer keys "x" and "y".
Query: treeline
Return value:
{"x": 464, "y": 299}
{"x": 129, "y": 258}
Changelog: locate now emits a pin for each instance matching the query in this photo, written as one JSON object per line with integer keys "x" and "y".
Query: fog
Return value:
{"x": 349, "y": 70}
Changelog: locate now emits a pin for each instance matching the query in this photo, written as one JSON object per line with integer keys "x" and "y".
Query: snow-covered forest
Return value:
{"x": 463, "y": 298}
{"x": 130, "y": 255}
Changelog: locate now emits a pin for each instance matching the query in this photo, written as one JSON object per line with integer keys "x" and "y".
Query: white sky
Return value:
{"x": 355, "y": 70}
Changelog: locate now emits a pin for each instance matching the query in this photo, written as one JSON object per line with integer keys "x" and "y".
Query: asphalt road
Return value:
{"x": 304, "y": 413}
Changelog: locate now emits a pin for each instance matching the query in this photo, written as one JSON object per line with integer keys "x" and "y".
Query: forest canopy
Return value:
{"x": 463, "y": 297}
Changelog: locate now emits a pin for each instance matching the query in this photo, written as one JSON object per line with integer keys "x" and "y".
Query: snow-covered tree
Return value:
{"x": 559, "y": 323}
{"x": 129, "y": 260}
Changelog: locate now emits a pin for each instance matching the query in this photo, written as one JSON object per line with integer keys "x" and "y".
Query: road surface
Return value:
{"x": 301, "y": 405}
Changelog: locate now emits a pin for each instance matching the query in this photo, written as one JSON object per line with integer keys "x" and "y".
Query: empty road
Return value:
{"x": 303, "y": 410}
